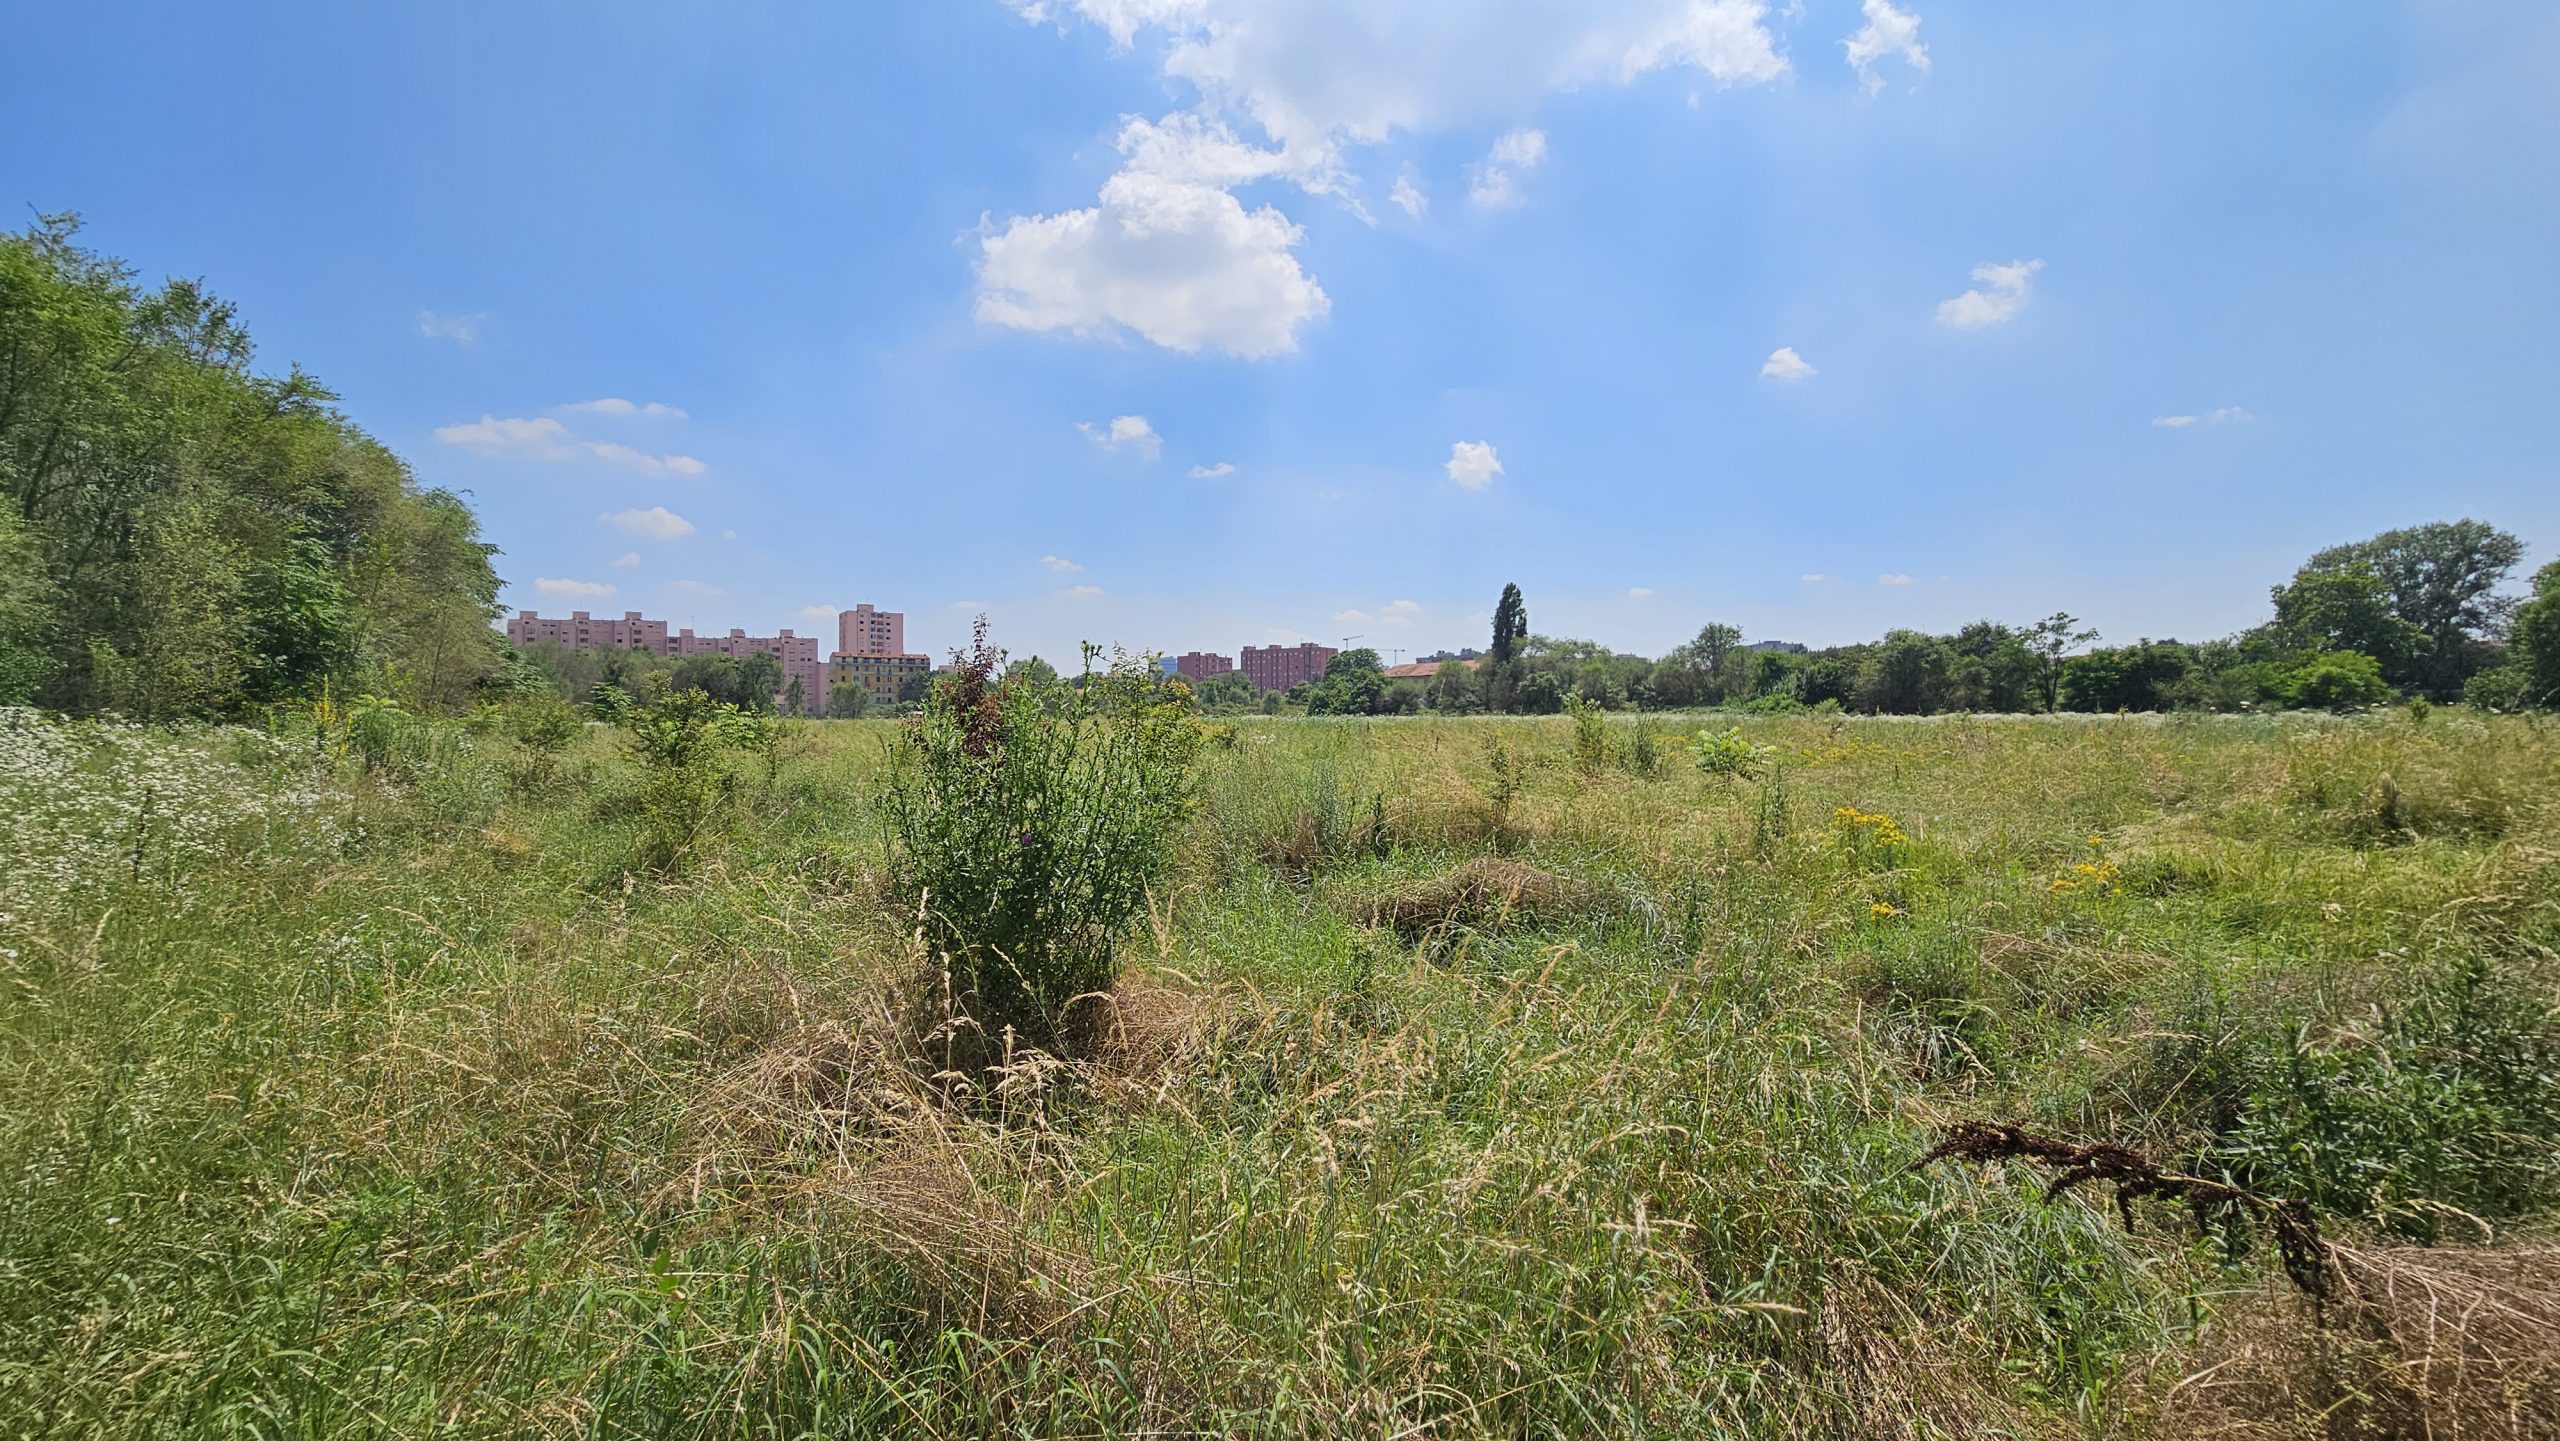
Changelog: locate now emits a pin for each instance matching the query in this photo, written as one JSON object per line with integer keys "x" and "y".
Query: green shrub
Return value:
{"x": 2334, "y": 680}
{"x": 2441, "y": 1101}
{"x": 685, "y": 792}
{"x": 1725, "y": 754}
{"x": 2504, "y": 688}
{"x": 543, "y": 726}
{"x": 1032, "y": 822}
{"x": 1590, "y": 736}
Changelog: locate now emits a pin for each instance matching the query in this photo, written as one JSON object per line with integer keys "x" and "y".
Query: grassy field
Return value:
{"x": 1463, "y": 1084}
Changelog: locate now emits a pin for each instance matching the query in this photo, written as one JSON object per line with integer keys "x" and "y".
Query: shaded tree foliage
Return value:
{"x": 199, "y": 538}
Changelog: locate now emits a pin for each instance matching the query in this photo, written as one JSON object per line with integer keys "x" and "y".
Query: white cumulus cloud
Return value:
{"x": 2001, "y": 294}
{"x": 582, "y": 589}
{"x": 1059, "y": 565}
{"x": 1125, "y": 432}
{"x": 1407, "y": 196}
{"x": 1081, "y": 592}
{"x": 815, "y": 612}
{"x": 1171, "y": 255}
{"x": 460, "y": 329}
{"x": 1473, "y": 463}
{"x": 627, "y": 559}
{"x": 1888, "y": 32}
{"x": 657, "y": 522}
{"x": 1784, "y": 364}
{"x": 1496, "y": 178}
{"x": 1219, "y": 471}
{"x": 1891, "y": 578}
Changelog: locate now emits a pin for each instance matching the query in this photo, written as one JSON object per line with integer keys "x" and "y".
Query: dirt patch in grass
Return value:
{"x": 1488, "y": 893}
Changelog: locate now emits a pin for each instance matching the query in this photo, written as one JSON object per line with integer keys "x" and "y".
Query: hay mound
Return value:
{"x": 1486, "y": 894}
{"x": 2443, "y": 1342}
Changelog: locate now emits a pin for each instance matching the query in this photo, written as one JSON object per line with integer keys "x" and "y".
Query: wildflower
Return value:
{"x": 1883, "y": 911}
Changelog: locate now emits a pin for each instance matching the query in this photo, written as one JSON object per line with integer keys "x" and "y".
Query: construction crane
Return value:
{"x": 1347, "y": 640}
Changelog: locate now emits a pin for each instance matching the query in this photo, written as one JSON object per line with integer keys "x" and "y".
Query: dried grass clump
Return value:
{"x": 2449, "y": 1344}
{"x": 972, "y": 1254}
{"x": 1488, "y": 893}
{"x": 1896, "y": 1377}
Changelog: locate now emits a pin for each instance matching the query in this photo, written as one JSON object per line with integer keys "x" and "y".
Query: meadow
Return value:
{"x": 1469, "y": 1077}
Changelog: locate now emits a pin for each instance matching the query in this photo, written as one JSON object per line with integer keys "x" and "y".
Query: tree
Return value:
{"x": 1906, "y": 675}
{"x": 1229, "y": 690}
{"x": 1694, "y": 673}
{"x": 915, "y": 688}
{"x": 1510, "y": 626}
{"x": 2345, "y": 608}
{"x": 1032, "y": 671}
{"x": 1993, "y": 669}
{"x": 1354, "y": 680}
{"x": 1455, "y": 689}
{"x": 2049, "y": 640}
{"x": 848, "y": 701}
{"x": 2536, "y": 639}
{"x": 2143, "y": 676}
{"x": 207, "y": 539}
{"x": 795, "y": 697}
{"x": 2441, "y": 578}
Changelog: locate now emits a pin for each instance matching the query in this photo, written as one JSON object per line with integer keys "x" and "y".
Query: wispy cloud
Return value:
{"x": 1059, "y": 565}
{"x": 582, "y": 589}
{"x": 1639, "y": 593}
{"x": 657, "y": 522}
{"x": 1219, "y": 471}
{"x": 1496, "y": 178}
{"x": 1081, "y": 592}
{"x": 1407, "y": 196}
{"x": 460, "y": 329}
{"x": 2225, "y": 416}
{"x": 2002, "y": 294}
{"x": 543, "y": 438}
{"x": 1814, "y": 577}
{"x": 815, "y": 612}
{"x": 615, "y": 405}
{"x": 1474, "y": 463}
{"x": 1893, "y": 578}
{"x": 696, "y": 587}
{"x": 627, "y": 559}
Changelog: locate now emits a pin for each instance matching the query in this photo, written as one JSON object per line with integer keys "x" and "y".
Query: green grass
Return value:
{"x": 337, "y": 1104}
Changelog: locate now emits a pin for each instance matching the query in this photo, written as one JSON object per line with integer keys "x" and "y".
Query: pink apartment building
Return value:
{"x": 864, "y": 631}
{"x": 1200, "y": 665}
{"x": 871, "y": 652}
{"x": 580, "y": 631}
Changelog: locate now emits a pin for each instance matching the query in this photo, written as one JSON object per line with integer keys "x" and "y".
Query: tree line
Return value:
{"x": 2417, "y": 613}
{"x": 186, "y": 537}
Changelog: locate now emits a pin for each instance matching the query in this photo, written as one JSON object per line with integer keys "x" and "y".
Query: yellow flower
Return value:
{"x": 1883, "y": 910}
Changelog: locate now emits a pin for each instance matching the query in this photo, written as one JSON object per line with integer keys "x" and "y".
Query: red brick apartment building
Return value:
{"x": 1278, "y": 667}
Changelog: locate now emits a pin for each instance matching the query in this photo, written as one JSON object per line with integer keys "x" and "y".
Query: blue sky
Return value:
{"x": 901, "y": 267}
